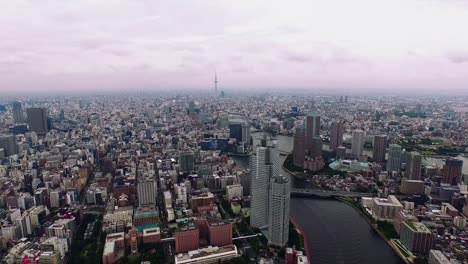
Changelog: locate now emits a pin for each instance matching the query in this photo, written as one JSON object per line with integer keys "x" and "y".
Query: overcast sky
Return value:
{"x": 137, "y": 44}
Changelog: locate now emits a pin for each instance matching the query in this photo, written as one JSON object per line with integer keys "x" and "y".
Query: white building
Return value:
{"x": 55, "y": 199}
{"x": 278, "y": 216}
{"x": 168, "y": 199}
{"x": 24, "y": 224}
{"x": 459, "y": 222}
{"x": 264, "y": 166}
{"x": 58, "y": 244}
{"x": 235, "y": 190}
{"x": 385, "y": 208}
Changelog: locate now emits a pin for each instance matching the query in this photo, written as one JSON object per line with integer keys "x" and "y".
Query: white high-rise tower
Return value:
{"x": 263, "y": 167}
{"x": 278, "y": 216}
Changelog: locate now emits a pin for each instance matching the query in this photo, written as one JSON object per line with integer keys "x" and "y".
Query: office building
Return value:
{"x": 114, "y": 248}
{"x": 437, "y": 257}
{"x": 8, "y": 144}
{"x": 55, "y": 244}
{"x": 49, "y": 257}
{"x": 416, "y": 237}
{"x": 145, "y": 215}
{"x": 186, "y": 238}
{"x": 299, "y": 147}
{"x": 220, "y": 233}
{"x": 191, "y": 108}
{"x": 402, "y": 217}
{"x": 37, "y": 120}
{"x": 278, "y": 224}
{"x": 146, "y": 191}
{"x": 55, "y": 198}
{"x": 151, "y": 235}
{"x": 452, "y": 171}
{"x": 264, "y": 166}
{"x": 411, "y": 186}
{"x": 459, "y": 222}
{"x": 186, "y": 162}
{"x": 357, "y": 143}
{"x": 18, "y": 115}
{"x": 336, "y": 135}
{"x": 379, "y": 148}
{"x": 316, "y": 150}
{"x": 312, "y": 129}
{"x": 245, "y": 133}
{"x": 341, "y": 153}
{"x": 235, "y": 130}
{"x": 413, "y": 167}
{"x": 394, "y": 158}
{"x": 449, "y": 209}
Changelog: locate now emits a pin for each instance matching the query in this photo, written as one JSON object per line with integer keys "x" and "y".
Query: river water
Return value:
{"x": 336, "y": 233}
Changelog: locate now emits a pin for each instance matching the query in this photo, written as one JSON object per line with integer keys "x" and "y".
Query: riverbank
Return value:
{"x": 304, "y": 237}
{"x": 373, "y": 224}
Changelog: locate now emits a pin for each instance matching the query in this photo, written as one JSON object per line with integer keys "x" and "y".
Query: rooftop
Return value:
{"x": 204, "y": 252}
{"x": 418, "y": 227}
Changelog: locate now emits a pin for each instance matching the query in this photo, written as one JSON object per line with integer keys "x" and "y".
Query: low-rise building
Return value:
{"x": 437, "y": 257}
{"x": 207, "y": 255}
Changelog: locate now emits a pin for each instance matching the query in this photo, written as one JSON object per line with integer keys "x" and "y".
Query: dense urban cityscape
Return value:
{"x": 234, "y": 132}
{"x": 210, "y": 179}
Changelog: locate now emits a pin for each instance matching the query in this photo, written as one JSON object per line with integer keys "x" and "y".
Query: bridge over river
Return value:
{"x": 326, "y": 193}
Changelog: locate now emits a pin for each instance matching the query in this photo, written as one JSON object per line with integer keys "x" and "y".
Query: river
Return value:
{"x": 336, "y": 233}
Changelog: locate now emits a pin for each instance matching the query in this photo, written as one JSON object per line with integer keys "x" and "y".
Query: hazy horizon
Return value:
{"x": 88, "y": 47}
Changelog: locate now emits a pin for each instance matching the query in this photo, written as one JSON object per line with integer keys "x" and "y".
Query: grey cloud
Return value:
{"x": 458, "y": 56}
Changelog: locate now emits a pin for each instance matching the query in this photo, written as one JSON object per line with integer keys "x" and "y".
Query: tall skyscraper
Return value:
{"x": 312, "y": 129}
{"x": 406, "y": 158}
{"x": 357, "y": 143}
{"x": 191, "y": 108}
{"x": 452, "y": 171}
{"x": 299, "y": 147}
{"x": 316, "y": 150}
{"x": 245, "y": 132}
{"x": 18, "y": 114}
{"x": 336, "y": 135}
{"x": 278, "y": 227}
{"x": 263, "y": 167}
{"x": 380, "y": 146}
{"x": 186, "y": 162}
{"x": 394, "y": 157}
{"x": 413, "y": 168}
{"x": 37, "y": 120}
{"x": 146, "y": 191}
{"x": 8, "y": 144}
{"x": 235, "y": 130}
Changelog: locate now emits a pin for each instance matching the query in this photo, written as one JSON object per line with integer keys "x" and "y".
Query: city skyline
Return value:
{"x": 366, "y": 46}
